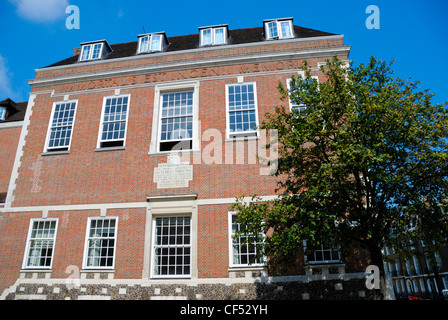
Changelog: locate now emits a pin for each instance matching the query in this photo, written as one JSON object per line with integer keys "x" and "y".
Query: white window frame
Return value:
{"x": 157, "y": 116}
{"x": 250, "y": 132}
{"x": 3, "y": 112}
{"x": 279, "y": 29}
{"x": 213, "y": 36}
{"x": 47, "y": 149}
{"x": 323, "y": 262}
{"x": 231, "y": 254}
{"x": 100, "y": 131}
{"x": 150, "y": 40}
{"x": 292, "y": 105}
{"x": 86, "y": 243}
{"x": 91, "y": 47}
{"x": 153, "y": 264}
{"x": 29, "y": 239}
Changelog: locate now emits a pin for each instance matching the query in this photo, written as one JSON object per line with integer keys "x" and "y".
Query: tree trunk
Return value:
{"x": 376, "y": 258}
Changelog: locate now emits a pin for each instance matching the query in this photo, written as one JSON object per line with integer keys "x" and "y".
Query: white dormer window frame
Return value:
{"x": 279, "y": 29}
{"x": 153, "y": 42}
{"x": 91, "y": 51}
{"x": 211, "y": 36}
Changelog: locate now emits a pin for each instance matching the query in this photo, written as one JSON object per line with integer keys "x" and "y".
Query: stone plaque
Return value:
{"x": 173, "y": 174}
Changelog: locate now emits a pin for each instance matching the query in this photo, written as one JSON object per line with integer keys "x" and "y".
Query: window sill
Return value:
{"x": 242, "y": 138}
{"x": 247, "y": 272}
{"x": 167, "y": 153}
{"x": 55, "y": 153}
{"x": 110, "y": 149}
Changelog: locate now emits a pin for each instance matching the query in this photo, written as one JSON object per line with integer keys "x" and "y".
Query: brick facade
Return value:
{"x": 86, "y": 182}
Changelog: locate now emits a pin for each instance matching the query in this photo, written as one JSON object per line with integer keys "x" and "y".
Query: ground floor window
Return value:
{"x": 100, "y": 243}
{"x": 40, "y": 244}
{"x": 324, "y": 254}
{"x": 243, "y": 252}
{"x": 172, "y": 247}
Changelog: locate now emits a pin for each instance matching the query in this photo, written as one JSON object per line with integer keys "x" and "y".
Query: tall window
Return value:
{"x": 172, "y": 247}
{"x": 242, "y": 252}
{"x": 278, "y": 29}
{"x": 61, "y": 126}
{"x": 40, "y": 244}
{"x": 113, "y": 124}
{"x": 213, "y": 36}
{"x": 242, "y": 118}
{"x": 100, "y": 243}
{"x": 176, "y": 120}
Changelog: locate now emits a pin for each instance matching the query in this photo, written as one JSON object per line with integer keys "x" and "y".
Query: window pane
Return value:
{"x": 156, "y": 42}
{"x": 41, "y": 243}
{"x": 285, "y": 29}
{"x": 219, "y": 36}
{"x": 114, "y": 121}
{"x": 61, "y": 126}
{"x": 272, "y": 29}
{"x": 96, "y": 51}
{"x": 172, "y": 246}
{"x": 244, "y": 253}
{"x": 101, "y": 243}
{"x": 206, "y": 37}
{"x": 85, "y": 52}
{"x": 144, "y": 42}
{"x": 177, "y": 116}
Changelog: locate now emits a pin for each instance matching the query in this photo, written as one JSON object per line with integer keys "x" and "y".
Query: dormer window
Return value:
{"x": 278, "y": 29}
{"x": 152, "y": 42}
{"x": 94, "y": 50}
{"x": 214, "y": 35}
{"x": 3, "y": 112}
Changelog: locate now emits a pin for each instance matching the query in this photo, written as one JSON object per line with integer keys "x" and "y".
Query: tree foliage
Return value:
{"x": 363, "y": 165}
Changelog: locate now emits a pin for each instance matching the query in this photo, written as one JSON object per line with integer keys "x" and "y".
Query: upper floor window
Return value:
{"x": 213, "y": 35}
{"x": 151, "y": 42}
{"x": 94, "y": 50}
{"x": 3, "y": 111}
{"x": 295, "y": 105}
{"x": 242, "y": 116}
{"x": 61, "y": 126}
{"x": 278, "y": 29}
{"x": 176, "y": 120}
{"x": 113, "y": 122}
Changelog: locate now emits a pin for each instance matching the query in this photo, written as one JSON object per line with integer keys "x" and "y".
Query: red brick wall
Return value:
{"x": 9, "y": 138}
{"x": 86, "y": 176}
{"x": 213, "y": 237}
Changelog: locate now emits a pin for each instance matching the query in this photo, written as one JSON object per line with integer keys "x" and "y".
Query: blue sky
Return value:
{"x": 34, "y": 34}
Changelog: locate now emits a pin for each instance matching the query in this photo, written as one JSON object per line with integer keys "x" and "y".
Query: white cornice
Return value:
{"x": 197, "y": 63}
{"x": 12, "y": 124}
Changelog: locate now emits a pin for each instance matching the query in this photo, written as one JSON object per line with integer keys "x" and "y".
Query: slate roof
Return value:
{"x": 186, "y": 42}
{"x": 16, "y": 110}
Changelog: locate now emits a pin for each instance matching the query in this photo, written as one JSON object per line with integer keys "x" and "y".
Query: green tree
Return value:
{"x": 363, "y": 165}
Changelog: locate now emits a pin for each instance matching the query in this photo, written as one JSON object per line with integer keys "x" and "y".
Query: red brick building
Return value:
{"x": 130, "y": 156}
